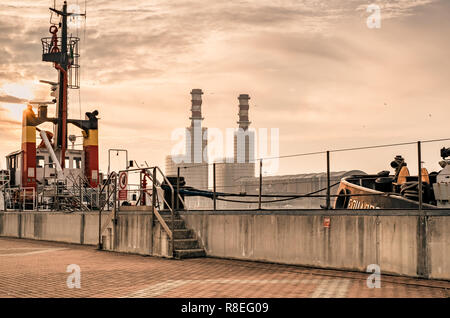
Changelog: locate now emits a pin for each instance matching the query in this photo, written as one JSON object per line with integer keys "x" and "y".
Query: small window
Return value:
{"x": 67, "y": 163}
{"x": 13, "y": 162}
{"x": 77, "y": 162}
{"x": 40, "y": 162}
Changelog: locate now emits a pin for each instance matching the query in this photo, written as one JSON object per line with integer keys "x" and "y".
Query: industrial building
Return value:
{"x": 230, "y": 170}
{"x": 194, "y": 162}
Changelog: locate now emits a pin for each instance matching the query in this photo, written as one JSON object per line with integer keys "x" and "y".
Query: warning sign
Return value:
{"x": 123, "y": 183}
{"x": 326, "y": 222}
{"x": 123, "y": 180}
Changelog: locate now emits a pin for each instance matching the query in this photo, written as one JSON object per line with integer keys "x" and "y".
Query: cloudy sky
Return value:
{"x": 313, "y": 69}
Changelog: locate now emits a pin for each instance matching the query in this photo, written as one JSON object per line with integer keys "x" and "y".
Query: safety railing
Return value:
{"x": 307, "y": 189}
{"x": 23, "y": 199}
{"x": 152, "y": 186}
{"x": 112, "y": 179}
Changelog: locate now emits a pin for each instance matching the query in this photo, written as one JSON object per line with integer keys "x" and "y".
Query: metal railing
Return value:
{"x": 112, "y": 179}
{"x": 321, "y": 189}
{"x": 17, "y": 199}
{"x": 157, "y": 182}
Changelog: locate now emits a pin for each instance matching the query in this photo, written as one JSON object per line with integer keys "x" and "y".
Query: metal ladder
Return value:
{"x": 4, "y": 182}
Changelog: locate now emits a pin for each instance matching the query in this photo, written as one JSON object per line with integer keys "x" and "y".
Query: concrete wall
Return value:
{"x": 439, "y": 246}
{"x": 134, "y": 233}
{"x": 396, "y": 240}
{"x": 134, "y": 229}
{"x": 161, "y": 242}
{"x": 79, "y": 228}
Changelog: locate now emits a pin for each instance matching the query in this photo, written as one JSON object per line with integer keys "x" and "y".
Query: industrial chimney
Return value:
{"x": 243, "y": 111}
{"x": 244, "y": 140}
{"x": 196, "y": 108}
{"x": 196, "y": 135}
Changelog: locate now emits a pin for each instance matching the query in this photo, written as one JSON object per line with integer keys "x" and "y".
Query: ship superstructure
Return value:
{"x": 51, "y": 174}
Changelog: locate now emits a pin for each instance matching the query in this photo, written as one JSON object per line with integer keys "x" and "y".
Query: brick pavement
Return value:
{"x": 38, "y": 269}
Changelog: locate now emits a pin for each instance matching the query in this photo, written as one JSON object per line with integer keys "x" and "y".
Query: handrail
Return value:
{"x": 152, "y": 174}
{"x": 159, "y": 184}
{"x": 4, "y": 185}
{"x": 163, "y": 223}
{"x": 178, "y": 194}
{"x": 100, "y": 228}
{"x": 170, "y": 208}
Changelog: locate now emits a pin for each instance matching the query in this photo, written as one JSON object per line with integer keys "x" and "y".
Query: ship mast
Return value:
{"x": 62, "y": 67}
{"x": 63, "y": 61}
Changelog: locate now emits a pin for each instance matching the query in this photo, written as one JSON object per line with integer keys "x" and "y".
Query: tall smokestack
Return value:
{"x": 244, "y": 139}
{"x": 196, "y": 139}
{"x": 196, "y": 175}
{"x": 196, "y": 109}
{"x": 243, "y": 111}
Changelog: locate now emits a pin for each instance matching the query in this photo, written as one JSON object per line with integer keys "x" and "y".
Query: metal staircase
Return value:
{"x": 183, "y": 241}
{"x": 4, "y": 182}
{"x": 4, "y": 179}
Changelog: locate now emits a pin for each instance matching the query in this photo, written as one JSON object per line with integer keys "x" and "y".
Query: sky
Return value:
{"x": 313, "y": 69}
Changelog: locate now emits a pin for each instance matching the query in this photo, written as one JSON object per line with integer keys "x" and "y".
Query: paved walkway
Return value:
{"x": 39, "y": 269}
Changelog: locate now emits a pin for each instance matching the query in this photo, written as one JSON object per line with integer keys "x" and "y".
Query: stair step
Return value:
{"x": 179, "y": 224}
{"x": 185, "y": 244}
{"x": 190, "y": 253}
{"x": 165, "y": 212}
{"x": 169, "y": 217}
{"x": 183, "y": 234}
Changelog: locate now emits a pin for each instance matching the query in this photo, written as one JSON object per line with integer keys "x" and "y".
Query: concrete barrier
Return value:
{"x": 134, "y": 229}
{"x": 134, "y": 233}
{"x": 400, "y": 242}
{"x": 10, "y": 224}
{"x": 439, "y": 247}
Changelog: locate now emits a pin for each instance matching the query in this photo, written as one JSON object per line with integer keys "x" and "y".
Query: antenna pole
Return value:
{"x": 62, "y": 67}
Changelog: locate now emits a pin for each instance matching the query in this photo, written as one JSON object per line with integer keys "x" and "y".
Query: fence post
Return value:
{"x": 178, "y": 188}
{"x": 99, "y": 245}
{"x": 113, "y": 243}
{"x": 260, "y": 184}
{"x": 98, "y": 196}
{"x": 81, "y": 193}
{"x": 214, "y": 185}
{"x": 172, "y": 218}
{"x": 328, "y": 180}
{"x": 419, "y": 174}
{"x": 107, "y": 192}
{"x": 154, "y": 194}
{"x": 115, "y": 196}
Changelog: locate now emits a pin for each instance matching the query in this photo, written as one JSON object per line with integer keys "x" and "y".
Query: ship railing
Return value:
{"x": 4, "y": 183}
{"x": 82, "y": 194}
{"x": 78, "y": 192}
{"x": 22, "y": 199}
{"x": 4, "y": 179}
